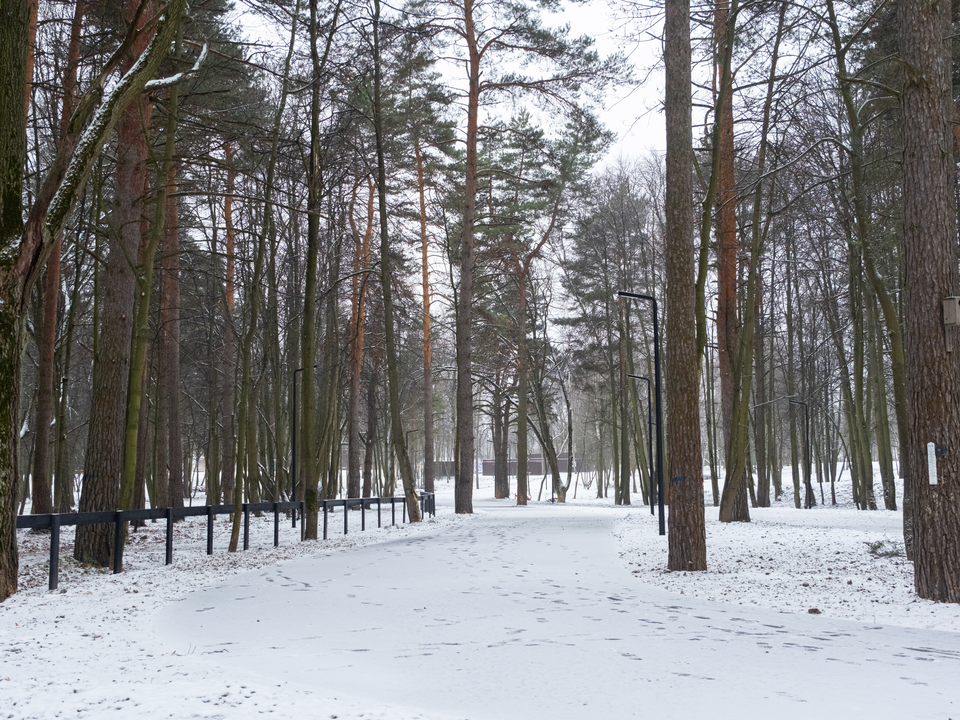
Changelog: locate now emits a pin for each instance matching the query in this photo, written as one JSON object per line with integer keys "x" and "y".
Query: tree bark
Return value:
{"x": 361, "y": 264}
{"x": 393, "y": 375}
{"x": 103, "y": 468}
{"x": 170, "y": 339}
{"x": 428, "y": 450}
{"x": 14, "y": 28}
{"x": 463, "y": 482}
{"x": 687, "y": 534}
{"x": 728, "y": 333}
{"x": 228, "y": 362}
{"x": 930, "y": 270}
{"x": 46, "y": 335}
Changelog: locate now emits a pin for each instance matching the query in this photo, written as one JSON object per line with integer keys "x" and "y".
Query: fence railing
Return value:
{"x": 54, "y": 521}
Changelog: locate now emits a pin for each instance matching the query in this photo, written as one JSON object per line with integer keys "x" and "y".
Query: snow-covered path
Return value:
{"x": 531, "y": 613}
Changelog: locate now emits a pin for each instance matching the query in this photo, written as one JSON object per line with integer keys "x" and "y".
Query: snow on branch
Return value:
{"x": 174, "y": 79}
{"x": 106, "y": 117}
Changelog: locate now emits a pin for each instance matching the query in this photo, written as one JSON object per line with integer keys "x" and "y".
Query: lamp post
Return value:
{"x": 806, "y": 441}
{"x": 649, "y": 433}
{"x": 656, "y": 380}
{"x": 293, "y": 447}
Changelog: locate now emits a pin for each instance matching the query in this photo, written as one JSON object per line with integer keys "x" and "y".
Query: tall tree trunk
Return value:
{"x": 929, "y": 240}
{"x": 166, "y": 186}
{"x": 880, "y": 416}
{"x": 625, "y": 472}
{"x": 501, "y": 433}
{"x": 14, "y": 39}
{"x": 523, "y": 487}
{"x": 46, "y": 338}
{"x": 370, "y": 441}
{"x": 359, "y": 281}
{"x": 228, "y": 362}
{"x": 393, "y": 374}
{"x": 728, "y": 333}
{"x": 428, "y": 450}
{"x": 709, "y": 386}
{"x": 47, "y": 328}
{"x": 463, "y": 483}
{"x": 792, "y": 375}
{"x": 308, "y": 333}
{"x": 63, "y": 489}
{"x": 687, "y": 534}
{"x": 103, "y": 467}
{"x": 170, "y": 339}
{"x": 862, "y": 437}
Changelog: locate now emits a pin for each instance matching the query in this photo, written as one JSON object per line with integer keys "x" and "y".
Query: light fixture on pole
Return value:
{"x": 656, "y": 381}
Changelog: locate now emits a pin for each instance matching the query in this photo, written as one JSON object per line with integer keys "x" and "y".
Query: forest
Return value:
{"x": 380, "y": 244}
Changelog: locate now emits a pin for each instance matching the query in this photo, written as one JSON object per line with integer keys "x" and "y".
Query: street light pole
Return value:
{"x": 649, "y": 433}
{"x": 293, "y": 447}
{"x": 656, "y": 380}
{"x": 806, "y": 442}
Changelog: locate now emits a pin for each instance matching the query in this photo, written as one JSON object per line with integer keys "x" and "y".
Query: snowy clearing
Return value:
{"x": 574, "y": 600}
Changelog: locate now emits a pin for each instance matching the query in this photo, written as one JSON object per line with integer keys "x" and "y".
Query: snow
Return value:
{"x": 545, "y": 611}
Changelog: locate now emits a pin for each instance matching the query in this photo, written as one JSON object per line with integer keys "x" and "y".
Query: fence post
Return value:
{"x": 169, "y": 558}
{"x": 393, "y": 511}
{"x": 404, "y": 509}
{"x": 276, "y": 524}
{"x": 246, "y": 526}
{"x": 117, "y": 544}
{"x": 346, "y": 507}
{"x": 324, "y": 519}
{"x": 378, "y": 512}
{"x": 54, "y": 551}
{"x": 363, "y": 516}
{"x": 209, "y": 529}
{"x": 303, "y": 520}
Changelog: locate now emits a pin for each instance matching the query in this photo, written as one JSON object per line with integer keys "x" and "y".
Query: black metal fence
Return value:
{"x": 55, "y": 521}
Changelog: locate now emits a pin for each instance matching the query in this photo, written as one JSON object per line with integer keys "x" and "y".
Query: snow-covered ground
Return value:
{"x": 538, "y": 612}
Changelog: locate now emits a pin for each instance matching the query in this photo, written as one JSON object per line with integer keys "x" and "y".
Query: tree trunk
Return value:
{"x": 47, "y": 329}
{"x": 308, "y": 333}
{"x": 103, "y": 468}
{"x": 523, "y": 489}
{"x": 501, "y": 444}
{"x": 393, "y": 375}
{"x": 63, "y": 489}
{"x": 929, "y": 240}
{"x": 428, "y": 451}
{"x": 370, "y": 441}
{"x": 228, "y": 362}
{"x": 728, "y": 334}
{"x": 687, "y": 534}
{"x": 361, "y": 264}
{"x": 625, "y": 472}
{"x": 170, "y": 339}
{"x": 463, "y": 483}
{"x": 14, "y": 40}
